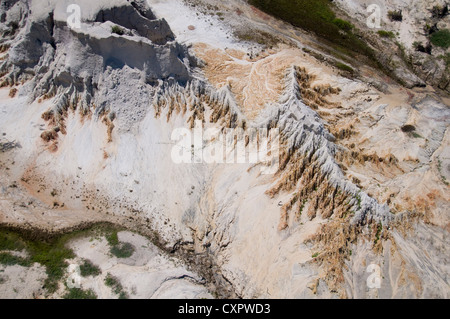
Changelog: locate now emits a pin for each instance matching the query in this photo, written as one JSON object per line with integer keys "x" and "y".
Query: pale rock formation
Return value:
{"x": 94, "y": 116}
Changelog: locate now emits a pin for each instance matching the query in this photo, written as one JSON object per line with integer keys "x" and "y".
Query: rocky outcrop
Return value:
{"x": 106, "y": 103}
{"x": 68, "y": 64}
{"x": 308, "y": 159}
{"x": 158, "y": 31}
{"x": 405, "y": 48}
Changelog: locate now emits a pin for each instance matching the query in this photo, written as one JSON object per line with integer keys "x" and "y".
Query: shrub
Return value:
{"x": 118, "y": 249}
{"x": 441, "y": 38}
{"x": 378, "y": 233}
{"x": 10, "y": 260}
{"x": 395, "y": 15}
{"x": 53, "y": 257}
{"x": 344, "y": 67}
{"x": 112, "y": 238}
{"x": 77, "y": 293}
{"x": 386, "y": 34}
{"x": 122, "y": 250}
{"x": 418, "y": 46}
{"x": 11, "y": 241}
{"x": 408, "y": 128}
{"x": 116, "y": 286}
{"x": 343, "y": 25}
{"x": 439, "y": 11}
{"x": 12, "y": 92}
{"x": 430, "y": 29}
{"x": 89, "y": 269}
{"x": 52, "y": 253}
{"x": 49, "y": 135}
{"x": 117, "y": 30}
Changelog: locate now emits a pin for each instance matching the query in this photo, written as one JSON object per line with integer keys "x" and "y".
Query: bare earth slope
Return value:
{"x": 86, "y": 119}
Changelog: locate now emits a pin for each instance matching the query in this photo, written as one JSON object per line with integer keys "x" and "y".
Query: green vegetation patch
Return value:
{"x": 318, "y": 17}
{"x": 386, "y": 34}
{"x": 441, "y": 38}
{"x": 78, "y": 293}
{"x": 378, "y": 234}
{"x": 122, "y": 250}
{"x": 344, "y": 67}
{"x": 51, "y": 255}
{"x": 118, "y": 249}
{"x": 116, "y": 286}
{"x": 117, "y": 30}
{"x": 343, "y": 25}
{"x": 444, "y": 179}
{"x": 112, "y": 238}
{"x": 87, "y": 268}
{"x": 8, "y": 259}
{"x": 257, "y": 36}
{"x": 11, "y": 241}
{"x": 52, "y": 251}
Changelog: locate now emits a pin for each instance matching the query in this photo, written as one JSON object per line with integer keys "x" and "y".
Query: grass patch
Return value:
{"x": 78, "y": 293}
{"x": 343, "y": 25}
{"x": 112, "y": 238}
{"x": 403, "y": 55}
{"x": 116, "y": 286}
{"x": 358, "y": 200}
{"x": 11, "y": 241}
{"x": 378, "y": 234}
{"x": 386, "y": 34}
{"x": 302, "y": 206}
{"x": 51, "y": 255}
{"x": 344, "y": 67}
{"x": 89, "y": 269}
{"x": 318, "y": 17}
{"x": 8, "y": 259}
{"x": 51, "y": 251}
{"x": 118, "y": 249}
{"x": 441, "y": 38}
{"x": 256, "y": 36}
{"x": 122, "y": 250}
